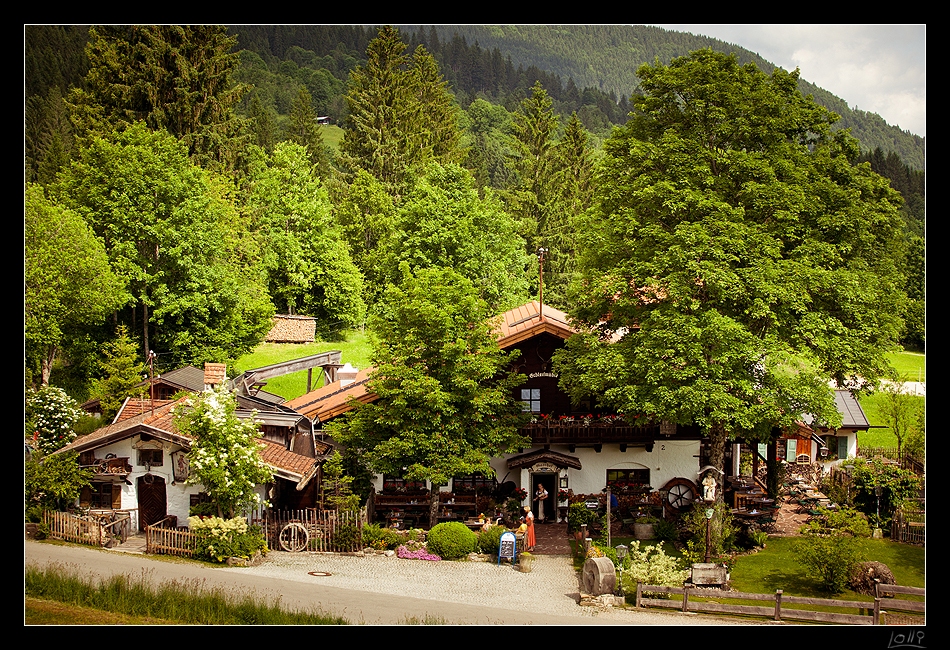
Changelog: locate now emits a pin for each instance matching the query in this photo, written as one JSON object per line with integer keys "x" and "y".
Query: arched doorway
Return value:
{"x": 545, "y": 510}
{"x": 151, "y": 497}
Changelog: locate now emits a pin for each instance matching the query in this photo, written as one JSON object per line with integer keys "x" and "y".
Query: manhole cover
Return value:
{"x": 319, "y": 573}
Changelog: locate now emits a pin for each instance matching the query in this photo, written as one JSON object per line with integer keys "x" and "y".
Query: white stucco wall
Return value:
{"x": 177, "y": 495}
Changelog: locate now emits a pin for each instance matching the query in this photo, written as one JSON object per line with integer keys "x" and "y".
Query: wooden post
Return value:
{"x": 778, "y": 604}
{"x": 685, "y": 599}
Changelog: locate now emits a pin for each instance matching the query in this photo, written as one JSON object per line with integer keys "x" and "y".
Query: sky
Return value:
{"x": 876, "y": 68}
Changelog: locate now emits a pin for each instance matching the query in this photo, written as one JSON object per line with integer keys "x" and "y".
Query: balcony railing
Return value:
{"x": 588, "y": 432}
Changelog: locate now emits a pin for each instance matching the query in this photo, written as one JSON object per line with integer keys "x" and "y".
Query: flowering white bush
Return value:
{"x": 50, "y": 416}
{"x": 651, "y": 566}
{"x": 225, "y": 455}
{"x": 218, "y": 539}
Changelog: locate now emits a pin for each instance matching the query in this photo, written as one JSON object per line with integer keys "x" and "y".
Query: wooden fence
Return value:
{"x": 909, "y": 526}
{"x": 163, "y": 540}
{"x": 774, "y": 610}
{"x": 95, "y": 529}
{"x": 311, "y": 529}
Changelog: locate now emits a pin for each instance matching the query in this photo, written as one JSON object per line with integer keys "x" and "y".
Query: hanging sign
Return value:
{"x": 506, "y": 546}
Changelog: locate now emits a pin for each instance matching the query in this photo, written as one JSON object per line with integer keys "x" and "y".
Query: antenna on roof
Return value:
{"x": 541, "y": 252}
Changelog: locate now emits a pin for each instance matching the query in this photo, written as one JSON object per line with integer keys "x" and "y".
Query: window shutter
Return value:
{"x": 842, "y": 447}
{"x": 85, "y": 497}
{"x": 116, "y": 496}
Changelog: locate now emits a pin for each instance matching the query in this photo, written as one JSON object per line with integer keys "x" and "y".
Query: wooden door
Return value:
{"x": 151, "y": 491}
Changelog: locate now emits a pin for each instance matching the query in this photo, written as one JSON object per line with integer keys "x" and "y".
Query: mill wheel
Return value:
{"x": 294, "y": 537}
{"x": 680, "y": 494}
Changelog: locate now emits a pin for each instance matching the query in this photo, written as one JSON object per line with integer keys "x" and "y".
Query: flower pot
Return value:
{"x": 525, "y": 561}
{"x": 643, "y": 531}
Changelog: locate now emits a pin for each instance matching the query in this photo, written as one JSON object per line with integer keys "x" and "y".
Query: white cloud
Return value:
{"x": 876, "y": 68}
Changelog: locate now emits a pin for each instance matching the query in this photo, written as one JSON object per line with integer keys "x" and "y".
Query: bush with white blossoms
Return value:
{"x": 50, "y": 416}
{"x": 651, "y": 566}
{"x": 225, "y": 453}
{"x": 218, "y": 539}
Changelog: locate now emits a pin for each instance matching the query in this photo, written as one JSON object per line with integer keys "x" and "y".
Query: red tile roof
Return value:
{"x": 513, "y": 326}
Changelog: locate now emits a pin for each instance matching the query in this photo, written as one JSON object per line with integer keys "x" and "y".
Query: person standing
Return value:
{"x": 541, "y": 496}
{"x": 529, "y": 529}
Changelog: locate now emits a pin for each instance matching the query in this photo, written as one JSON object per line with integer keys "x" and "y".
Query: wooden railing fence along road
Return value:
{"x": 876, "y": 611}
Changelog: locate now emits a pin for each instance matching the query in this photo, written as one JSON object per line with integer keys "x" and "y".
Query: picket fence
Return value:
{"x": 92, "y": 529}
{"x": 311, "y": 529}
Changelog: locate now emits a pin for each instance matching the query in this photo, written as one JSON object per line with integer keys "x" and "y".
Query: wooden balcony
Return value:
{"x": 594, "y": 433}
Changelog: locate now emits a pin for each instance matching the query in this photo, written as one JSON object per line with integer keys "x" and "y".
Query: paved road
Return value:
{"x": 382, "y": 591}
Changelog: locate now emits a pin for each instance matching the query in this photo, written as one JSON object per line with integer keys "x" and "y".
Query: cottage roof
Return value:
{"x": 529, "y": 320}
{"x": 333, "y": 399}
{"x": 160, "y": 424}
{"x": 511, "y": 327}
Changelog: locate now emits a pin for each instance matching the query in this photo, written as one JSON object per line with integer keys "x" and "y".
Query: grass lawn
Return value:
{"x": 355, "y": 347}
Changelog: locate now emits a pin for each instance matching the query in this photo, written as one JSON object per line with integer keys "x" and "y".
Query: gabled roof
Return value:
{"x": 332, "y": 400}
{"x": 161, "y": 424}
{"x": 512, "y": 327}
{"x": 529, "y": 320}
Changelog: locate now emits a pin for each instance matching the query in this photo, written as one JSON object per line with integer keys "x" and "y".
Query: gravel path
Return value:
{"x": 551, "y": 589}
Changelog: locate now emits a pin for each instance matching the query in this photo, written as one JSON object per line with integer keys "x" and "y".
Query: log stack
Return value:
{"x": 292, "y": 329}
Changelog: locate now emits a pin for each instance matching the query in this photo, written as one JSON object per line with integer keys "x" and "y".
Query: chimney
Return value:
{"x": 347, "y": 374}
{"x": 214, "y": 374}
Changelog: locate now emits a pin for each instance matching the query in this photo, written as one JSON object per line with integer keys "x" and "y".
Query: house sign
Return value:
{"x": 544, "y": 466}
{"x": 180, "y": 467}
{"x": 535, "y": 375}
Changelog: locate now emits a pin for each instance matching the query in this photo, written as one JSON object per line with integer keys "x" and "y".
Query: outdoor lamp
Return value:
{"x": 621, "y": 554}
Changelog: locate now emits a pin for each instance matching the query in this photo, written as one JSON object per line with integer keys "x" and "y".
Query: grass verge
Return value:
{"x": 58, "y": 596}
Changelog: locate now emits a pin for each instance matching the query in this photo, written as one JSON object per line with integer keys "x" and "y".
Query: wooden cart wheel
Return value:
{"x": 294, "y": 537}
{"x": 681, "y": 493}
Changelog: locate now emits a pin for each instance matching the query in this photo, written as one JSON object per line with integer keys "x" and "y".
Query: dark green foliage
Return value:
{"x": 451, "y": 540}
{"x": 489, "y": 540}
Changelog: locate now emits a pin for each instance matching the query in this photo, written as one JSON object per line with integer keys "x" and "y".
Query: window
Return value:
{"x": 531, "y": 400}
{"x": 621, "y": 478}
{"x": 100, "y": 497}
{"x": 150, "y": 457}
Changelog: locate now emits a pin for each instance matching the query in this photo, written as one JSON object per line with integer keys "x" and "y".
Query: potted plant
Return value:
{"x": 525, "y": 560}
{"x": 643, "y": 526}
{"x": 577, "y": 516}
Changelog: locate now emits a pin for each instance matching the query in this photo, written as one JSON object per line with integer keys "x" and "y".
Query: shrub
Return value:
{"x": 665, "y": 531}
{"x": 830, "y": 560}
{"x": 578, "y": 515}
{"x": 218, "y": 539}
{"x": 451, "y": 539}
{"x": 489, "y": 540}
{"x": 381, "y": 538}
{"x": 651, "y": 566}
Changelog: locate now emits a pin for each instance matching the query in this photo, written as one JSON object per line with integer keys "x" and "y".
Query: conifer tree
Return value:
{"x": 400, "y": 113}
{"x": 176, "y": 78}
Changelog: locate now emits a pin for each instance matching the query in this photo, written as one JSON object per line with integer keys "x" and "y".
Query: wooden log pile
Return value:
{"x": 292, "y": 329}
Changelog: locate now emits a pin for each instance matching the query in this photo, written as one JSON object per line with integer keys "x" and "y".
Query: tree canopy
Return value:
{"x": 740, "y": 258}
{"x": 445, "y": 404}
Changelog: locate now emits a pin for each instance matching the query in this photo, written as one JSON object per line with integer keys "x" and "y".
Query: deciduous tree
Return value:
{"x": 736, "y": 253}
{"x": 445, "y": 402}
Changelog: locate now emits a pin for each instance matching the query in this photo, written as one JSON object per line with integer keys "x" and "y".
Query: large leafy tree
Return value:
{"x": 305, "y": 252}
{"x": 445, "y": 402}
{"x": 175, "y": 78}
{"x": 442, "y": 221}
{"x": 67, "y": 280}
{"x": 169, "y": 229}
{"x": 739, "y": 257}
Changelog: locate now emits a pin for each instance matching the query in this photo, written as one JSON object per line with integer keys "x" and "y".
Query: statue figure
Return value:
{"x": 709, "y": 487}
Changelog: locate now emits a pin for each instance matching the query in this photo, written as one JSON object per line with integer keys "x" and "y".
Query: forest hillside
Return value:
{"x": 210, "y": 176}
